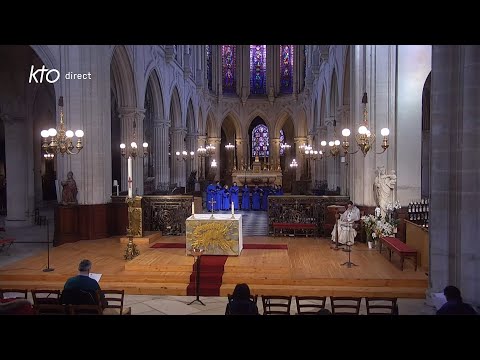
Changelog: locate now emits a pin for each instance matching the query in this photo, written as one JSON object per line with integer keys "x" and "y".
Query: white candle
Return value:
{"x": 233, "y": 209}
{"x": 193, "y": 207}
{"x": 130, "y": 178}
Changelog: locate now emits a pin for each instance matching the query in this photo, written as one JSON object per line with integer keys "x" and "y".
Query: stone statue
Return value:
{"x": 69, "y": 192}
{"x": 383, "y": 186}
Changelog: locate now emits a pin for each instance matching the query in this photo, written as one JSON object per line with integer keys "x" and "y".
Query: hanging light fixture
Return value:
{"x": 133, "y": 148}
{"x": 60, "y": 140}
{"x": 365, "y": 137}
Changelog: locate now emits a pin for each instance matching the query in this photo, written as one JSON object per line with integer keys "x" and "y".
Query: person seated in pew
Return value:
{"x": 346, "y": 232}
{"x": 455, "y": 304}
{"x": 241, "y": 302}
{"x": 82, "y": 289}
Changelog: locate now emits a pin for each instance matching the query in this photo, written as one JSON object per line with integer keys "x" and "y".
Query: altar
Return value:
{"x": 220, "y": 235}
{"x": 259, "y": 174}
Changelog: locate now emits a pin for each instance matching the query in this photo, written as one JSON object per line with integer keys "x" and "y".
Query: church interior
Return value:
{"x": 309, "y": 172}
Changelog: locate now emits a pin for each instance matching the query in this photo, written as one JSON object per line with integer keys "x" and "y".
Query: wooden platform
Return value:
{"x": 308, "y": 267}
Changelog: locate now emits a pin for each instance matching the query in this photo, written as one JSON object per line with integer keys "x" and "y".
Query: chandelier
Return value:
{"x": 59, "y": 140}
{"x": 294, "y": 164}
{"x": 365, "y": 138}
{"x": 133, "y": 149}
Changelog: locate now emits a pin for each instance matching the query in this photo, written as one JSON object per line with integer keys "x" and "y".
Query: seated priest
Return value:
{"x": 346, "y": 232}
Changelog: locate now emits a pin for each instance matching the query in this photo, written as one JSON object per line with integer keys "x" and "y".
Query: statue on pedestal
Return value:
{"x": 383, "y": 186}
{"x": 69, "y": 192}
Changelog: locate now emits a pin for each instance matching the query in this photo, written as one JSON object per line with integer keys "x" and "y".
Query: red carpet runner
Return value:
{"x": 211, "y": 272}
{"x": 212, "y": 267}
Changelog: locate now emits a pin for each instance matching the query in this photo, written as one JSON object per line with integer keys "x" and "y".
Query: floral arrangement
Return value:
{"x": 376, "y": 227}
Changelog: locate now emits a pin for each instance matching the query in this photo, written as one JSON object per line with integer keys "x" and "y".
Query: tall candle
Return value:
{"x": 193, "y": 207}
{"x": 130, "y": 178}
{"x": 233, "y": 209}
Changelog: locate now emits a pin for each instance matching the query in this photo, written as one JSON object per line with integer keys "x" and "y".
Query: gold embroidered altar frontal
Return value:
{"x": 220, "y": 235}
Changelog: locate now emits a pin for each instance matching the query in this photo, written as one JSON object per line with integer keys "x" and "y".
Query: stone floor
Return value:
{"x": 29, "y": 242}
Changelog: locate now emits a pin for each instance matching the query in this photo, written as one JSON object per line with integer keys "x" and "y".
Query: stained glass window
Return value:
{"x": 260, "y": 141}
{"x": 228, "y": 68}
{"x": 286, "y": 69}
{"x": 258, "y": 69}
{"x": 282, "y": 141}
{"x": 208, "y": 49}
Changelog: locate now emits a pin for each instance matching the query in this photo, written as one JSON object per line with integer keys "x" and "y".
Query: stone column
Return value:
{"x": 455, "y": 170}
{"x": 161, "y": 137}
{"x": 239, "y": 153}
{"x": 201, "y": 141}
{"x": 16, "y": 171}
{"x": 299, "y": 141}
{"x": 274, "y": 153}
{"x": 216, "y": 142}
{"x": 177, "y": 172}
{"x": 191, "y": 142}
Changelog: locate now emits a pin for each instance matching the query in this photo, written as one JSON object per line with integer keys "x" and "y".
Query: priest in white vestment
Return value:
{"x": 346, "y": 232}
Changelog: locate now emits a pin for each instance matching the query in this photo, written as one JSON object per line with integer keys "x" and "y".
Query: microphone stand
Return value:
{"x": 48, "y": 269}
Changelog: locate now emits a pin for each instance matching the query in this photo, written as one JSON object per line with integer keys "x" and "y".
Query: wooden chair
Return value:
{"x": 85, "y": 309}
{"x": 113, "y": 304}
{"x": 46, "y": 297}
{"x": 345, "y": 305}
{"x": 310, "y": 305}
{"x": 381, "y": 306}
{"x": 13, "y": 293}
{"x": 50, "y": 309}
{"x": 276, "y": 305}
{"x": 47, "y": 302}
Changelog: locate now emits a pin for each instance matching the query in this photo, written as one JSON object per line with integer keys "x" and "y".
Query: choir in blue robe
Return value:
{"x": 256, "y": 198}
{"x": 266, "y": 193}
{"x": 226, "y": 199}
{"x": 234, "y": 195}
{"x": 246, "y": 198}
{"x": 218, "y": 197}
{"x": 210, "y": 196}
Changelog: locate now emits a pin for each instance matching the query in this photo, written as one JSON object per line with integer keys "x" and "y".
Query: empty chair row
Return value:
{"x": 309, "y": 305}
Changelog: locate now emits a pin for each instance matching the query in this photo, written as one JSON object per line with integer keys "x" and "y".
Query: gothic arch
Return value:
{"x": 235, "y": 122}
{"x": 211, "y": 125}
{"x": 190, "y": 123}
{"x": 333, "y": 94}
{"x": 258, "y": 113}
{"x": 301, "y": 123}
{"x": 281, "y": 120}
{"x": 157, "y": 95}
{"x": 200, "y": 121}
{"x": 175, "y": 115}
{"x": 124, "y": 80}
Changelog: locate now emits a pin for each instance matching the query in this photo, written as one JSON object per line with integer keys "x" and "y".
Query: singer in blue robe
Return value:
{"x": 210, "y": 196}
{"x": 226, "y": 198}
{"x": 234, "y": 195}
{"x": 279, "y": 190}
{"x": 256, "y": 198}
{"x": 266, "y": 193}
{"x": 246, "y": 198}
{"x": 218, "y": 197}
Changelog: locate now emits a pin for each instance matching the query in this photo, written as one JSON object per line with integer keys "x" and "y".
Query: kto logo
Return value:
{"x": 51, "y": 75}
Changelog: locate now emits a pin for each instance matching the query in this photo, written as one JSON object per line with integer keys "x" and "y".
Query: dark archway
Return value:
{"x": 426, "y": 149}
